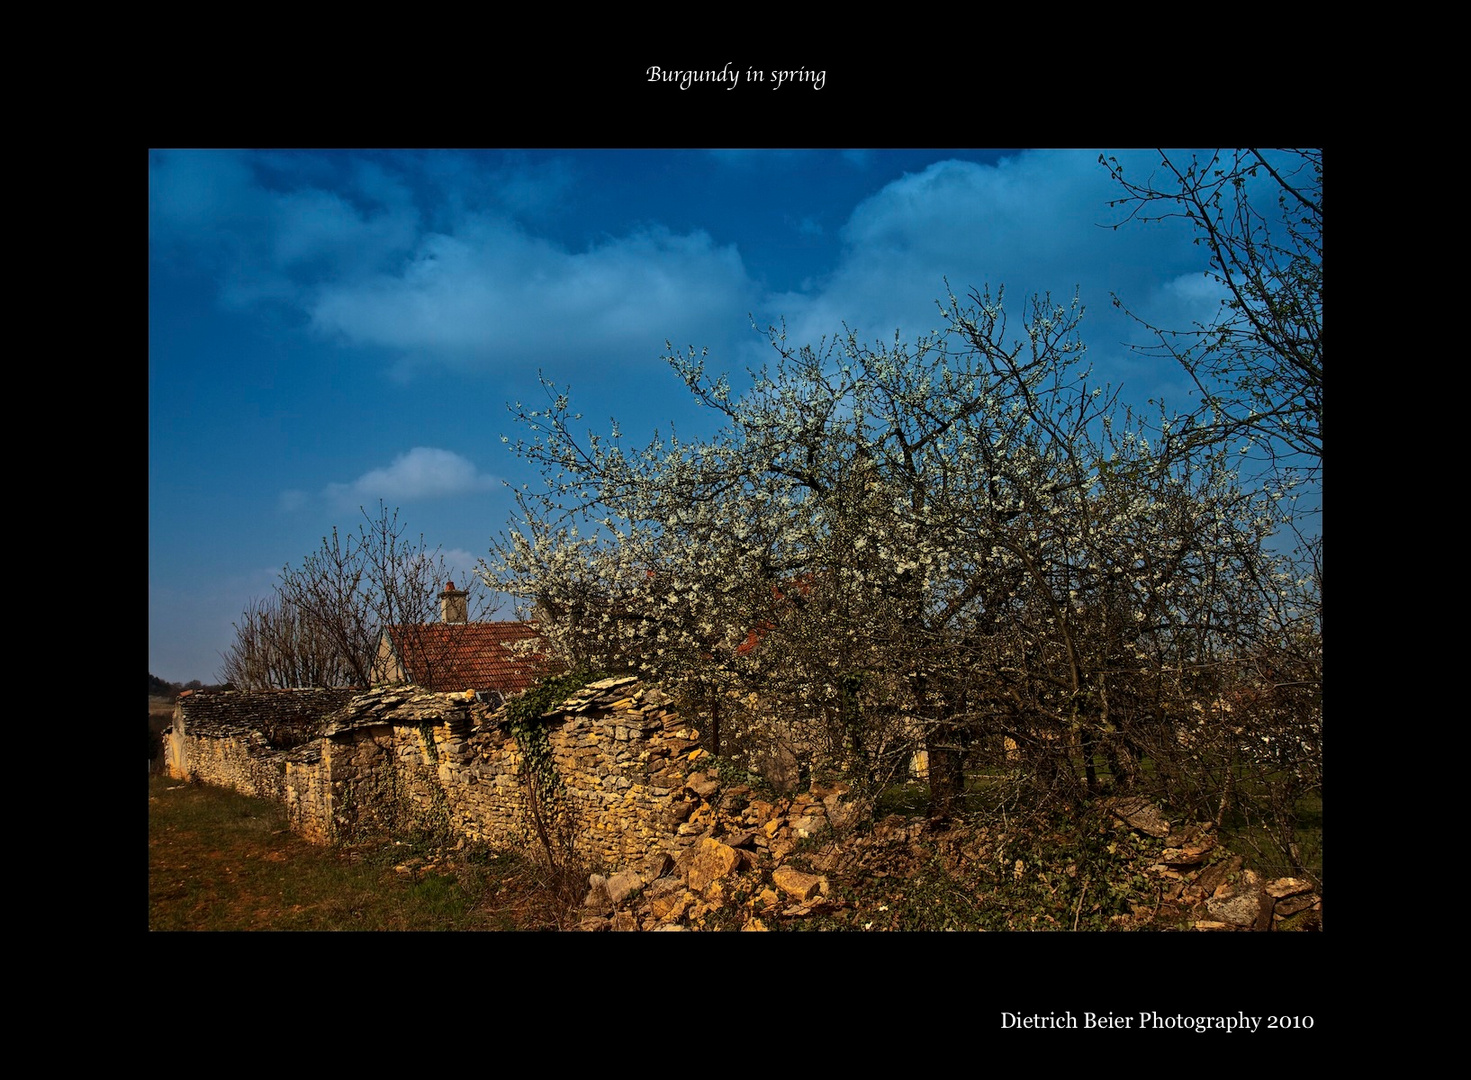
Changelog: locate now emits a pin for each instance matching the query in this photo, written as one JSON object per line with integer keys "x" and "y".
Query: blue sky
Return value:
{"x": 331, "y": 328}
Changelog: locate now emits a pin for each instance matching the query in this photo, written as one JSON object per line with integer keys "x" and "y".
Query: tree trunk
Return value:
{"x": 947, "y": 770}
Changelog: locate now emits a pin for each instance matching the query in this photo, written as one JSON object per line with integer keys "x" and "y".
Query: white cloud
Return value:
{"x": 1199, "y": 297}
{"x": 493, "y": 294}
{"x": 422, "y": 473}
{"x": 1024, "y": 223}
{"x": 462, "y": 279}
{"x": 465, "y": 281}
{"x": 325, "y": 228}
{"x": 1033, "y": 223}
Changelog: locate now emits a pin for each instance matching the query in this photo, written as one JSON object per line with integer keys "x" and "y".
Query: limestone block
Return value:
{"x": 795, "y": 883}
{"x": 711, "y": 861}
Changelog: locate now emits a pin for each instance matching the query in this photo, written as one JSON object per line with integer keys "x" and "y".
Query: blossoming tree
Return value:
{"x": 961, "y": 544}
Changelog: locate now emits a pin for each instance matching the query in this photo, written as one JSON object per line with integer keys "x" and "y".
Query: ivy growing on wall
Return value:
{"x": 542, "y": 780}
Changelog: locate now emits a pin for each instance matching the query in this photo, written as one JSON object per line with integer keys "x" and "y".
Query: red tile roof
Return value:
{"x": 799, "y": 589}
{"x": 449, "y": 657}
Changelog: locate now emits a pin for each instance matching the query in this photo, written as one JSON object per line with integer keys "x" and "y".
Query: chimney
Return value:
{"x": 454, "y": 604}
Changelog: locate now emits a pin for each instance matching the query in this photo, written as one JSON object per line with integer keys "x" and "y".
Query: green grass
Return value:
{"x": 910, "y": 799}
{"x": 1263, "y": 846}
{"x": 221, "y": 861}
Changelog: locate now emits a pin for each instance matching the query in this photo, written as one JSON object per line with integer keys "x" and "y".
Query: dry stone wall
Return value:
{"x": 345, "y": 761}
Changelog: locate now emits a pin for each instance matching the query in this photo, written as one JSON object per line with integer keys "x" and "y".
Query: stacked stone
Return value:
{"x": 245, "y": 740}
{"x": 622, "y": 753}
{"x": 731, "y": 865}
